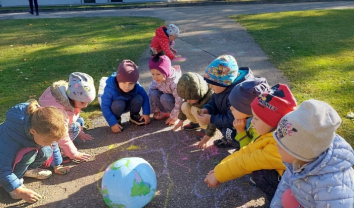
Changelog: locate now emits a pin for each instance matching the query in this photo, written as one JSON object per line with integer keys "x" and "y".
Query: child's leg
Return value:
{"x": 135, "y": 104}
{"x": 32, "y": 160}
{"x": 193, "y": 114}
{"x": 31, "y": 6}
{"x": 118, "y": 107}
{"x": 155, "y": 102}
{"x": 228, "y": 139}
{"x": 168, "y": 102}
{"x": 267, "y": 181}
{"x": 36, "y": 6}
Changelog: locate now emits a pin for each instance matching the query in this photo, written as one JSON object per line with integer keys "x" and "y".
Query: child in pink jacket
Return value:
{"x": 71, "y": 97}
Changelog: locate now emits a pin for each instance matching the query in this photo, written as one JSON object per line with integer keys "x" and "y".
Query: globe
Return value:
{"x": 129, "y": 183}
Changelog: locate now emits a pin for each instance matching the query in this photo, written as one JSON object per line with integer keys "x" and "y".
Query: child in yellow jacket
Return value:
{"x": 260, "y": 157}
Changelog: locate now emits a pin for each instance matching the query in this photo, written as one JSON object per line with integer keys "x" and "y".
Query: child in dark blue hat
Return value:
{"x": 240, "y": 99}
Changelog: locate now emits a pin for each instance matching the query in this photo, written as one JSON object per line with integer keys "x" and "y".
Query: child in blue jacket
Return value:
{"x": 123, "y": 93}
{"x": 27, "y": 140}
{"x": 319, "y": 163}
{"x": 223, "y": 74}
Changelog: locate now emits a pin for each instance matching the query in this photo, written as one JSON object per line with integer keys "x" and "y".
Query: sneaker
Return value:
{"x": 191, "y": 126}
{"x": 31, "y": 12}
{"x": 135, "y": 118}
{"x": 222, "y": 143}
{"x": 38, "y": 173}
{"x": 200, "y": 134}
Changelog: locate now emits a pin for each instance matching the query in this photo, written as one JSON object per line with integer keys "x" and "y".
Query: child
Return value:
{"x": 26, "y": 137}
{"x": 196, "y": 92}
{"x": 164, "y": 99}
{"x": 222, "y": 75}
{"x": 164, "y": 41}
{"x": 260, "y": 157}
{"x": 318, "y": 161}
{"x": 240, "y": 99}
{"x": 71, "y": 98}
{"x": 123, "y": 93}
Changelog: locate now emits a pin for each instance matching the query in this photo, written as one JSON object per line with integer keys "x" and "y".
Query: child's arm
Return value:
{"x": 106, "y": 102}
{"x": 211, "y": 180}
{"x": 57, "y": 160}
{"x": 165, "y": 46}
{"x": 26, "y": 194}
{"x": 178, "y": 104}
{"x": 255, "y": 156}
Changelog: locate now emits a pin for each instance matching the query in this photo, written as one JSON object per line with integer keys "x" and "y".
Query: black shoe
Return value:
{"x": 222, "y": 143}
{"x": 119, "y": 121}
{"x": 135, "y": 118}
{"x": 37, "y": 14}
{"x": 191, "y": 126}
{"x": 200, "y": 134}
{"x": 31, "y": 12}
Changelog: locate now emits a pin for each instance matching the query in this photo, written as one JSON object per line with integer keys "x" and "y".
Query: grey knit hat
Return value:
{"x": 81, "y": 87}
{"x": 242, "y": 95}
{"x": 191, "y": 86}
{"x": 308, "y": 131}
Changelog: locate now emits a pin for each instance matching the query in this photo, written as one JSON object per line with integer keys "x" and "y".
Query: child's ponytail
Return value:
{"x": 156, "y": 57}
{"x": 47, "y": 120}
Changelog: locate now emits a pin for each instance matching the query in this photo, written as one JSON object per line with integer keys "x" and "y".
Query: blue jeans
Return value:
{"x": 163, "y": 101}
{"x": 74, "y": 129}
{"x": 133, "y": 105}
{"x": 32, "y": 160}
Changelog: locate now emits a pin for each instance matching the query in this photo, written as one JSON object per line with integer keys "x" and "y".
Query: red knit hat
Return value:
{"x": 127, "y": 72}
{"x": 163, "y": 65}
{"x": 271, "y": 107}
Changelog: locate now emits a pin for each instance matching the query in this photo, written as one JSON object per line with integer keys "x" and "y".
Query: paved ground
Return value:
{"x": 206, "y": 32}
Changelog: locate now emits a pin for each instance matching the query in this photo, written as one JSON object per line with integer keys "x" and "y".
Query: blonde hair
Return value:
{"x": 48, "y": 121}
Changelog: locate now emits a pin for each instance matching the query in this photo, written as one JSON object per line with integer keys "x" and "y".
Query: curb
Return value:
{"x": 172, "y": 4}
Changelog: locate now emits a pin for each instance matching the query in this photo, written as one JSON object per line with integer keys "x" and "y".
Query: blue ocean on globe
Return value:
{"x": 129, "y": 183}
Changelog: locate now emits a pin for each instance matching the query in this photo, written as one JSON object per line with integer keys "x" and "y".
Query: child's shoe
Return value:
{"x": 135, "y": 118}
{"x": 191, "y": 126}
{"x": 223, "y": 143}
{"x": 200, "y": 134}
{"x": 161, "y": 115}
{"x": 38, "y": 173}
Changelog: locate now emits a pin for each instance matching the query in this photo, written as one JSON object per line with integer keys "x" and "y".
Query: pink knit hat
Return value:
{"x": 163, "y": 65}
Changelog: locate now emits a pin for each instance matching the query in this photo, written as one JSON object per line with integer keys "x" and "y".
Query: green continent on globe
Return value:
{"x": 116, "y": 168}
{"x": 139, "y": 189}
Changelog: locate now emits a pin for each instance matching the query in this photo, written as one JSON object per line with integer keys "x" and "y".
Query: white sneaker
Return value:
{"x": 38, "y": 173}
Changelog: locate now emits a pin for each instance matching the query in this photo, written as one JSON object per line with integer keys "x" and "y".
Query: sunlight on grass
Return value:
{"x": 314, "y": 49}
{"x": 35, "y": 53}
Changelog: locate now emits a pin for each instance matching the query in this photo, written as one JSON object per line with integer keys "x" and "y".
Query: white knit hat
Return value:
{"x": 173, "y": 30}
{"x": 81, "y": 87}
{"x": 308, "y": 131}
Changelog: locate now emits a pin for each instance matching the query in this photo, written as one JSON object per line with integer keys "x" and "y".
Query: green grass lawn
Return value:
{"x": 315, "y": 51}
{"x": 35, "y": 53}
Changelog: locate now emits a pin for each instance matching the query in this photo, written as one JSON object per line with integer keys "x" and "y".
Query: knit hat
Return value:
{"x": 191, "y": 86}
{"x": 173, "y": 30}
{"x": 223, "y": 71}
{"x": 127, "y": 72}
{"x": 242, "y": 95}
{"x": 308, "y": 131}
{"x": 81, "y": 87}
{"x": 272, "y": 106}
{"x": 163, "y": 65}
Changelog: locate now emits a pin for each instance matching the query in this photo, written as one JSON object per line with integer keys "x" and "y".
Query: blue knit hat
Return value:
{"x": 242, "y": 95}
{"x": 223, "y": 71}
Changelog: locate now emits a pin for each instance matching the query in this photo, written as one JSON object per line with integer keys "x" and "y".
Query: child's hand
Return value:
{"x": 203, "y": 142}
{"x": 178, "y": 56}
{"x": 173, "y": 50}
{"x": 146, "y": 119}
{"x": 239, "y": 125}
{"x": 27, "y": 194}
{"x": 211, "y": 180}
{"x": 116, "y": 128}
{"x": 204, "y": 119}
{"x": 171, "y": 121}
{"x": 61, "y": 170}
{"x": 178, "y": 125}
{"x": 82, "y": 157}
{"x": 84, "y": 136}
{"x": 203, "y": 111}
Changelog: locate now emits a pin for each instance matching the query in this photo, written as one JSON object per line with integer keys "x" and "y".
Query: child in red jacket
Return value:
{"x": 164, "y": 41}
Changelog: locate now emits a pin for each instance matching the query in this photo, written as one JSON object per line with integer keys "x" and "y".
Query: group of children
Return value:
{"x": 291, "y": 152}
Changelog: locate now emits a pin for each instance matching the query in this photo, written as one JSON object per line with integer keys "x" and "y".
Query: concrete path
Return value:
{"x": 206, "y": 32}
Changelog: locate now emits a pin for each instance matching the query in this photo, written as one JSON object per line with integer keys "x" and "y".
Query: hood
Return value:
{"x": 160, "y": 32}
{"x": 58, "y": 90}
